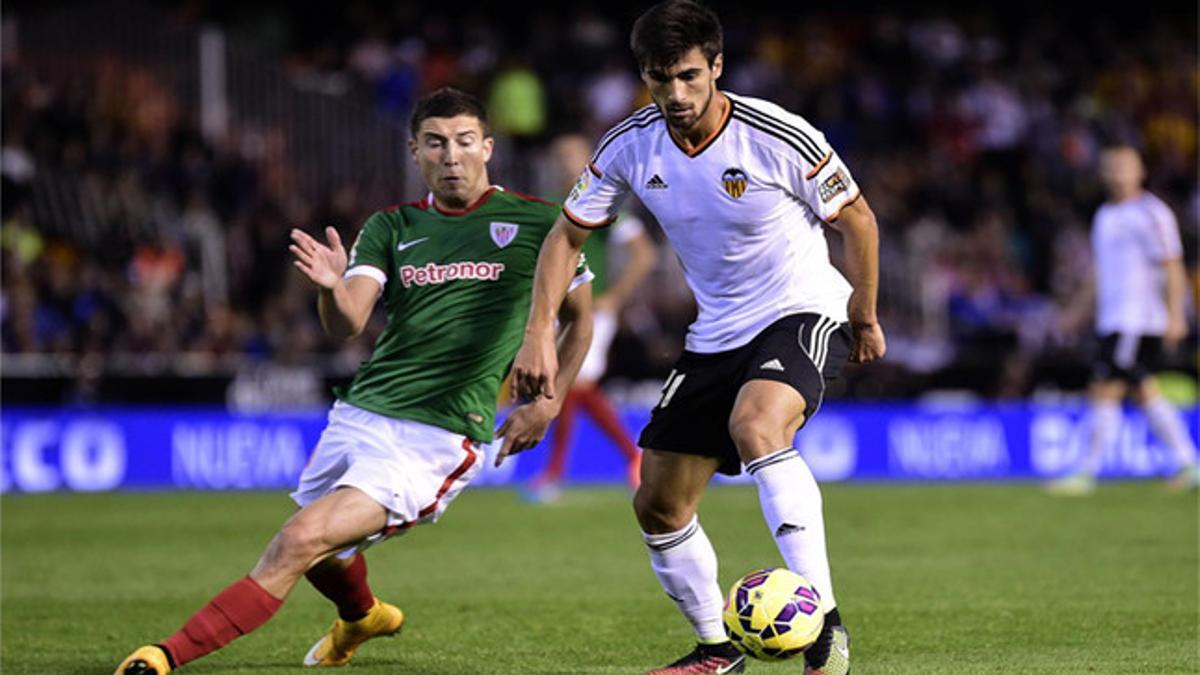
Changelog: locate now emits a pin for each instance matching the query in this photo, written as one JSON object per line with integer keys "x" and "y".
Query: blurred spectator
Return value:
{"x": 517, "y": 105}
{"x": 125, "y": 230}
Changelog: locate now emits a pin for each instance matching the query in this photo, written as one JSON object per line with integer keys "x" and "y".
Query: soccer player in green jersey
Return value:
{"x": 455, "y": 272}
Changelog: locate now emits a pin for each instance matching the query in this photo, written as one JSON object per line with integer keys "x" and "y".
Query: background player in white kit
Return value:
{"x": 742, "y": 189}
{"x": 628, "y": 239}
{"x": 1139, "y": 294}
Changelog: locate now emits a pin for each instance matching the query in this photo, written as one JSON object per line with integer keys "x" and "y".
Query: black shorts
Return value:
{"x": 692, "y": 415}
{"x": 1128, "y": 356}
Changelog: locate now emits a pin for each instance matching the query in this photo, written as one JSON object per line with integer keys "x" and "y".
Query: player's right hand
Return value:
{"x": 324, "y": 265}
{"x": 535, "y": 368}
{"x": 869, "y": 343}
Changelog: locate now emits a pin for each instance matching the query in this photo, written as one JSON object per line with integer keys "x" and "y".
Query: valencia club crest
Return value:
{"x": 735, "y": 182}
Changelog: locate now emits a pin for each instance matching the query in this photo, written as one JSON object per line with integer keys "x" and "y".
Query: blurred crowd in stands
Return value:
{"x": 975, "y": 137}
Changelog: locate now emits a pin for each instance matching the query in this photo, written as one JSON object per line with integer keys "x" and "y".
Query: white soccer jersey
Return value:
{"x": 744, "y": 211}
{"x": 1130, "y": 242}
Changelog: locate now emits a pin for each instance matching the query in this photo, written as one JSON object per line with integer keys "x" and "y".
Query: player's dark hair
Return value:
{"x": 669, "y": 30}
{"x": 448, "y": 102}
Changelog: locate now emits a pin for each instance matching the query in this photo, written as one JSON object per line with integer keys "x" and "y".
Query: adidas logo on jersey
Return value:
{"x": 656, "y": 183}
{"x": 773, "y": 364}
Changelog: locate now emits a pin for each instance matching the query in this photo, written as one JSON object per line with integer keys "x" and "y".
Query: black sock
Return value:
{"x": 818, "y": 653}
{"x": 170, "y": 659}
{"x": 720, "y": 649}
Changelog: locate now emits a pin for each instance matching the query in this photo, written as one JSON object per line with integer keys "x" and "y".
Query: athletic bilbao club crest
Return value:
{"x": 735, "y": 182}
{"x": 504, "y": 233}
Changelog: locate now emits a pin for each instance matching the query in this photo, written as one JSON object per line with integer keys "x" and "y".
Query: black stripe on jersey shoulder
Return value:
{"x": 643, "y": 114}
{"x": 639, "y": 115}
{"x": 803, "y": 152}
{"x": 796, "y": 137}
{"x": 640, "y": 123}
{"x": 783, "y": 125}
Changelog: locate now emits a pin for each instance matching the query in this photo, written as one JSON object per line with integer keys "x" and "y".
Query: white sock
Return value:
{"x": 1105, "y": 427}
{"x": 686, "y": 566}
{"x": 1167, "y": 424}
{"x": 791, "y": 503}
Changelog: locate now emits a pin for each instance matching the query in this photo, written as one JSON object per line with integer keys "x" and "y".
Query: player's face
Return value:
{"x": 453, "y": 153}
{"x": 684, "y": 90}
{"x": 1121, "y": 171}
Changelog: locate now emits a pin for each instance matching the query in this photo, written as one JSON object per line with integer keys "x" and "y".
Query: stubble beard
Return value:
{"x": 694, "y": 120}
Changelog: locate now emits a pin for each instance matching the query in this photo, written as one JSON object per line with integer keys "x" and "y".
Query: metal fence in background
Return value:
{"x": 219, "y": 83}
{"x": 335, "y": 136}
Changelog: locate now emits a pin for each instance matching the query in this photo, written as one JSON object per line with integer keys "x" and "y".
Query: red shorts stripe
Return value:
{"x": 467, "y": 463}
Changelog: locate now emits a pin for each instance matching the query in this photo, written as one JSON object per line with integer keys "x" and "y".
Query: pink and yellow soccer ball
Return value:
{"x": 773, "y": 614}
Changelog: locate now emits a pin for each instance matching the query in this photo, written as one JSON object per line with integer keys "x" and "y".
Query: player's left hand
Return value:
{"x": 525, "y": 427}
{"x": 869, "y": 343}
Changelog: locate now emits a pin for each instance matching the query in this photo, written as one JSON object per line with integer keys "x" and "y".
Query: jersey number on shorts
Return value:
{"x": 670, "y": 387}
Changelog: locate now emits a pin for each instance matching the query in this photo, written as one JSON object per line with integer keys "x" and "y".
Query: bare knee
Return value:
{"x": 298, "y": 545}
{"x": 1109, "y": 391}
{"x": 658, "y": 514}
{"x": 757, "y": 435}
{"x": 1146, "y": 391}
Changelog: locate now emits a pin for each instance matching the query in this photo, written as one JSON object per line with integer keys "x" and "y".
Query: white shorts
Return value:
{"x": 413, "y": 470}
{"x": 604, "y": 329}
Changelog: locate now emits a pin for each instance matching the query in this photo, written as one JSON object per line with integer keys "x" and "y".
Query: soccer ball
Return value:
{"x": 773, "y": 614}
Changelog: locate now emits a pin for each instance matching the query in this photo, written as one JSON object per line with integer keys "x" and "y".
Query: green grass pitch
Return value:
{"x": 930, "y": 579}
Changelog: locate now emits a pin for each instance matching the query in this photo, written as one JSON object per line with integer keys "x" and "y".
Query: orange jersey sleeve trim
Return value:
{"x": 820, "y": 165}
{"x": 579, "y": 222}
{"x": 837, "y": 213}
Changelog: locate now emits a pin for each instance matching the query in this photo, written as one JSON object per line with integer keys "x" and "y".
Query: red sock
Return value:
{"x": 346, "y": 586}
{"x": 235, "y": 611}
{"x": 597, "y": 405}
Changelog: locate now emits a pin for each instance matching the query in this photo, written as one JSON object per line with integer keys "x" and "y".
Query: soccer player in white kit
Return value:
{"x": 742, "y": 190}
{"x": 1139, "y": 287}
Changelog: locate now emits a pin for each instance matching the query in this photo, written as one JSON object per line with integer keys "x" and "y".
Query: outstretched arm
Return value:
{"x": 857, "y": 224}
{"x": 535, "y": 371}
{"x": 344, "y": 304}
{"x": 1176, "y": 287}
{"x": 527, "y": 425}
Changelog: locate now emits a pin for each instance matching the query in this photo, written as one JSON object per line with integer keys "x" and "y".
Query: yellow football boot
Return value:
{"x": 148, "y": 660}
{"x": 337, "y": 646}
